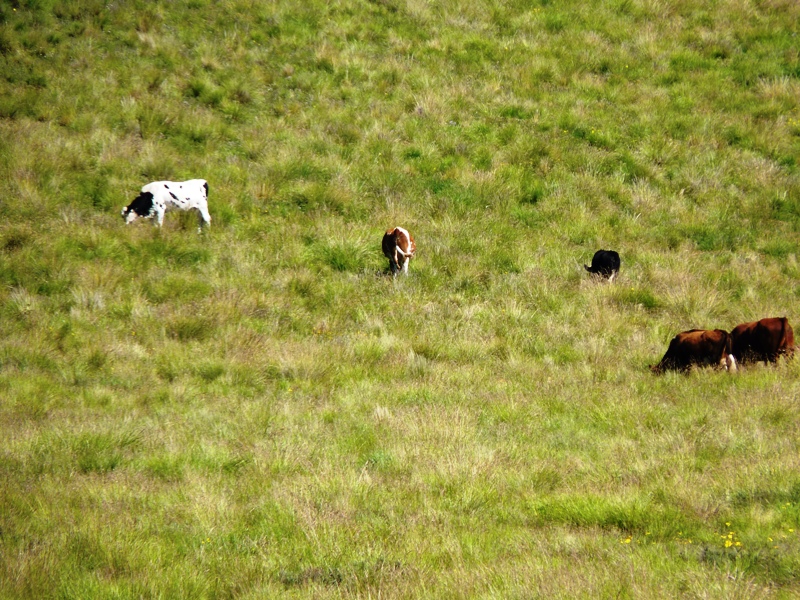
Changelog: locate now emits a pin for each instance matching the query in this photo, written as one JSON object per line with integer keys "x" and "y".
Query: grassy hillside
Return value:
{"x": 261, "y": 411}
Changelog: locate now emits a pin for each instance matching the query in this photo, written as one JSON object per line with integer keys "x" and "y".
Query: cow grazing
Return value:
{"x": 765, "y": 340}
{"x": 698, "y": 347}
{"x": 399, "y": 247}
{"x": 160, "y": 197}
{"x": 604, "y": 263}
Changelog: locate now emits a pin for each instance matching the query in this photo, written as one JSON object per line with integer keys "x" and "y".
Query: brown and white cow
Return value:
{"x": 399, "y": 247}
{"x": 765, "y": 340}
{"x": 698, "y": 347}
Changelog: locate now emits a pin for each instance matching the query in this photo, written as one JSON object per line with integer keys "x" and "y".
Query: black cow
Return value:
{"x": 604, "y": 263}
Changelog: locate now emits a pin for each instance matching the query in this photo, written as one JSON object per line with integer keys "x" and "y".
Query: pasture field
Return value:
{"x": 260, "y": 411}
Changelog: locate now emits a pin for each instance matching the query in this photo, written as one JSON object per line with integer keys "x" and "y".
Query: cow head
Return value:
{"x": 142, "y": 206}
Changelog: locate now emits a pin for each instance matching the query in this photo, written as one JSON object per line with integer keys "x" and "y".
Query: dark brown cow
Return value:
{"x": 765, "y": 340}
{"x": 698, "y": 347}
{"x": 399, "y": 247}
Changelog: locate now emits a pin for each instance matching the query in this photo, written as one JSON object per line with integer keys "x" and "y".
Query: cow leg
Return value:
{"x": 201, "y": 220}
{"x": 205, "y": 218}
{"x": 405, "y": 266}
{"x": 728, "y": 362}
{"x": 399, "y": 261}
{"x": 611, "y": 279}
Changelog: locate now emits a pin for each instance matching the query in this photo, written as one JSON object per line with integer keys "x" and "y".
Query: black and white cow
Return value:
{"x": 161, "y": 197}
{"x": 604, "y": 263}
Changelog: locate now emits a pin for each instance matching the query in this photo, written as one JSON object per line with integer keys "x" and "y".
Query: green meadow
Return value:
{"x": 262, "y": 411}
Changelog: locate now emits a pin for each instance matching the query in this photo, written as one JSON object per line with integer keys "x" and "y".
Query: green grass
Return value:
{"x": 261, "y": 410}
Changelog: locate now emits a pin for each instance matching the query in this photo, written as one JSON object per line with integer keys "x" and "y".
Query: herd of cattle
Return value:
{"x": 765, "y": 340}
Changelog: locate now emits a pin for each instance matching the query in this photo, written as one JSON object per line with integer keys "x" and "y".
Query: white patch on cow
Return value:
{"x": 731, "y": 363}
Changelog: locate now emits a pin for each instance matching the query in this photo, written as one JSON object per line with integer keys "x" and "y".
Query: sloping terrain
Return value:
{"x": 261, "y": 410}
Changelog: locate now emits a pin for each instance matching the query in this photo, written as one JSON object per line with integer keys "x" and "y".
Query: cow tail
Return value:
{"x": 782, "y": 346}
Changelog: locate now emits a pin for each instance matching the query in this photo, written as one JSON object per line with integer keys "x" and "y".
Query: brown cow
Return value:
{"x": 765, "y": 340}
{"x": 399, "y": 247}
{"x": 698, "y": 347}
